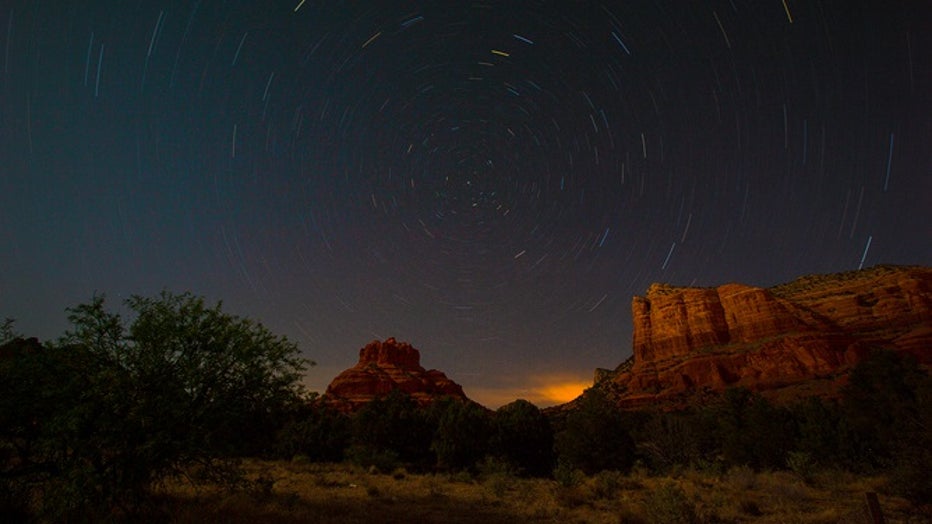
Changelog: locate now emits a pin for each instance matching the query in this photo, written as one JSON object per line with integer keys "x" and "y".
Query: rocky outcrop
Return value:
{"x": 385, "y": 366}
{"x": 692, "y": 340}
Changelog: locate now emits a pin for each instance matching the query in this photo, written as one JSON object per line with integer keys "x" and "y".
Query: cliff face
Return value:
{"x": 386, "y": 366}
{"x": 689, "y": 340}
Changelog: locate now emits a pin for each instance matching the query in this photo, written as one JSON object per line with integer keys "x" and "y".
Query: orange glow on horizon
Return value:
{"x": 562, "y": 392}
{"x": 542, "y": 391}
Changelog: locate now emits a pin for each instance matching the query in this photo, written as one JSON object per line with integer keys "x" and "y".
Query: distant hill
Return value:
{"x": 788, "y": 341}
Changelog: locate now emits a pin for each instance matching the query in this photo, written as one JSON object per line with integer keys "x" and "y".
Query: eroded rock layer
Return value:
{"x": 689, "y": 340}
{"x": 385, "y": 366}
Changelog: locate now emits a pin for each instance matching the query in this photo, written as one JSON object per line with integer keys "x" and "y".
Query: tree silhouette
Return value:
{"x": 114, "y": 407}
{"x": 596, "y": 436}
{"x": 462, "y": 435}
{"x": 523, "y": 436}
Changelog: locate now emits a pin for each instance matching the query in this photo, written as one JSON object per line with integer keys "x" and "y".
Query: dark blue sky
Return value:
{"x": 489, "y": 182}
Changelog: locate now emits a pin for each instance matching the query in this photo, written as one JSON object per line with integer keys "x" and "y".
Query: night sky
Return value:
{"x": 489, "y": 181}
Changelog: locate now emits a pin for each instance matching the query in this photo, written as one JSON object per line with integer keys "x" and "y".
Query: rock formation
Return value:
{"x": 386, "y": 366}
{"x": 693, "y": 340}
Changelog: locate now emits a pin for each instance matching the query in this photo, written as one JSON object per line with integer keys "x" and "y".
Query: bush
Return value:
{"x": 497, "y": 475}
{"x": 370, "y": 458}
{"x": 910, "y": 474}
{"x": 115, "y": 407}
{"x": 596, "y": 436}
{"x": 394, "y": 425}
{"x": 883, "y": 407}
{"x": 317, "y": 433}
{"x": 671, "y": 439}
{"x": 607, "y": 484}
{"x": 668, "y": 504}
{"x": 801, "y": 463}
{"x": 568, "y": 476}
{"x": 753, "y": 431}
{"x": 462, "y": 435}
{"x": 523, "y": 436}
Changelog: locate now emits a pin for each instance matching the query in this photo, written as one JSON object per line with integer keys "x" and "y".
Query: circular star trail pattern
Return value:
{"x": 490, "y": 181}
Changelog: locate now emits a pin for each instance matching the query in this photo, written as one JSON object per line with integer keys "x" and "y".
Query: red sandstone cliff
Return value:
{"x": 692, "y": 340}
{"x": 386, "y": 366}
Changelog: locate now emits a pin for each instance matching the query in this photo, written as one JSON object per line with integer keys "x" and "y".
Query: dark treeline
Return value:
{"x": 881, "y": 423}
{"x": 91, "y": 422}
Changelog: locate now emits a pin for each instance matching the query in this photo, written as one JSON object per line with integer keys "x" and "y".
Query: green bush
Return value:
{"x": 114, "y": 407}
{"x": 523, "y": 436}
{"x": 396, "y": 425}
{"x": 668, "y": 504}
{"x": 596, "y": 436}
{"x": 462, "y": 435}
{"x": 380, "y": 460}
{"x": 567, "y": 475}
{"x": 607, "y": 484}
{"x": 882, "y": 405}
{"x": 315, "y": 432}
{"x": 801, "y": 463}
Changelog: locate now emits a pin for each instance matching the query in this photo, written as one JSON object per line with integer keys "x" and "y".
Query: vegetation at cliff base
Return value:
{"x": 121, "y": 418}
{"x": 91, "y": 422}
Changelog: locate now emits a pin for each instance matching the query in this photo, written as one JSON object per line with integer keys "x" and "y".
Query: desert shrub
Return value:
{"x": 748, "y": 506}
{"x": 596, "y": 436}
{"x": 751, "y": 430}
{"x": 497, "y": 475}
{"x": 567, "y": 475}
{"x": 913, "y": 451}
{"x": 607, "y": 484}
{"x": 802, "y": 464}
{"x": 317, "y": 433}
{"x": 570, "y": 496}
{"x": 462, "y": 435}
{"x": 492, "y": 465}
{"x": 522, "y": 435}
{"x": 498, "y": 484}
{"x": 669, "y": 439}
{"x": 668, "y": 504}
{"x": 741, "y": 478}
{"x": 822, "y": 432}
{"x": 7, "y": 332}
{"x": 882, "y": 405}
{"x": 114, "y": 407}
{"x": 372, "y": 458}
{"x": 396, "y": 425}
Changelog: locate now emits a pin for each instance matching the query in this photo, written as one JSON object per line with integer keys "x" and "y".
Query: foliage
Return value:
{"x": 668, "y": 504}
{"x": 822, "y": 432}
{"x": 802, "y": 464}
{"x": 672, "y": 439}
{"x": 607, "y": 484}
{"x": 568, "y": 476}
{"x": 462, "y": 435}
{"x": 316, "y": 432}
{"x": 596, "y": 436}
{"x": 394, "y": 424}
{"x": 7, "y": 333}
{"x": 913, "y": 451}
{"x": 113, "y": 408}
{"x": 374, "y": 459}
{"x": 751, "y": 430}
{"x": 881, "y": 404}
{"x": 523, "y": 436}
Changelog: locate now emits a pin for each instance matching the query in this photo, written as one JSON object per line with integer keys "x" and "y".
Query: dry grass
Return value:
{"x": 284, "y": 492}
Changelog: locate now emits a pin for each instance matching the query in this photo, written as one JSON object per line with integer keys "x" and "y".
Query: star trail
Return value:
{"x": 490, "y": 181}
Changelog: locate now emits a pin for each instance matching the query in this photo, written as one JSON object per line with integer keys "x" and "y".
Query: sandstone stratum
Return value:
{"x": 385, "y": 366}
{"x": 787, "y": 341}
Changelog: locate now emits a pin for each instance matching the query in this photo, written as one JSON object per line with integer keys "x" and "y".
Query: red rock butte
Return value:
{"x": 788, "y": 341}
{"x": 385, "y": 366}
